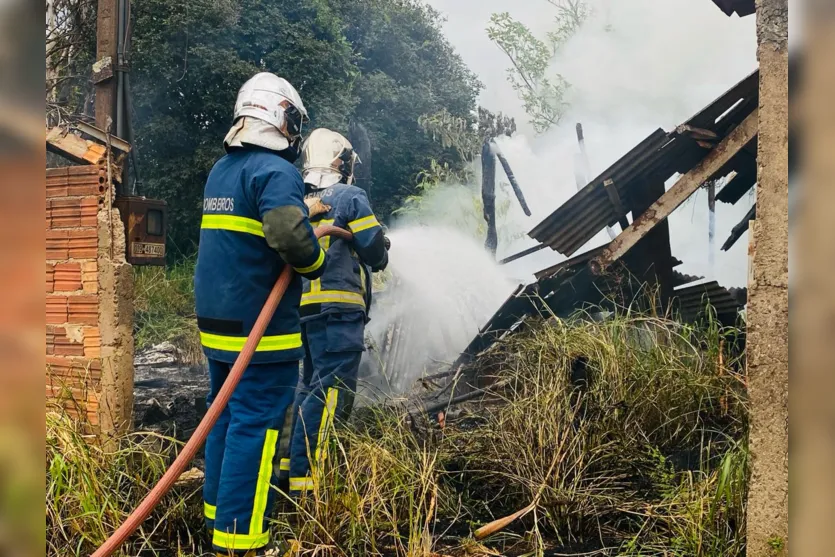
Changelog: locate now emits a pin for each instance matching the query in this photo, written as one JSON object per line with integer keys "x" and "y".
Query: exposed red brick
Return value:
{"x": 50, "y": 278}
{"x": 63, "y": 346}
{"x": 50, "y": 340}
{"x": 85, "y": 186}
{"x": 89, "y": 211}
{"x": 89, "y": 418}
{"x": 85, "y": 170}
{"x": 60, "y": 366}
{"x": 56, "y": 309}
{"x": 74, "y": 397}
{"x": 67, "y": 277}
{"x": 57, "y": 244}
{"x": 89, "y": 276}
{"x": 82, "y": 243}
{"x": 65, "y": 212}
{"x": 83, "y": 310}
{"x": 92, "y": 342}
{"x": 75, "y": 185}
{"x": 52, "y": 173}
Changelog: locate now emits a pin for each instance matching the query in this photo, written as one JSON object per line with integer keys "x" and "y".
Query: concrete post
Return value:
{"x": 768, "y": 299}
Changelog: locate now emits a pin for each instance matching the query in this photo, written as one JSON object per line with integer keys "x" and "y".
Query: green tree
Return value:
{"x": 380, "y": 63}
{"x": 407, "y": 69}
{"x": 531, "y": 57}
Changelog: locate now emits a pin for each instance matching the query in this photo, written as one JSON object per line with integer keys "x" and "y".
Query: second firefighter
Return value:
{"x": 334, "y": 308}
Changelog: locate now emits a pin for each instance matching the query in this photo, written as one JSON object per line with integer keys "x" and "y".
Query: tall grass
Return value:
{"x": 164, "y": 307}
{"x": 91, "y": 488}
{"x": 626, "y": 435}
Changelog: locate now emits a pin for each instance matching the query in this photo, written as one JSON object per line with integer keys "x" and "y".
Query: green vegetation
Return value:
{"x": 539, "y": 88}
{"x": 379, "y": 63}
{"x": 627, "y": 434}
{"x": 91, "y": 489}
{"x": 164, "y": 308}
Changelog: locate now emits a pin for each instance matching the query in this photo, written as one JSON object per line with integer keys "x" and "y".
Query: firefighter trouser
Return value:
{"x": 240, "y": 451}
{"x": 333, "y": 348}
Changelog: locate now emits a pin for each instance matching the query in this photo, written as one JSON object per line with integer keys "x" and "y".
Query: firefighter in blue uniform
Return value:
{"x": 334, "y": 308}
{"x": 254, "y": 221}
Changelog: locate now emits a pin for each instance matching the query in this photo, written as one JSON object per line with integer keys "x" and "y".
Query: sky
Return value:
{"x": 634, "y": 67}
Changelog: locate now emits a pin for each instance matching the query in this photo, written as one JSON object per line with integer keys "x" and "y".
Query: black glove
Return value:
{"x": 387, "y": 242}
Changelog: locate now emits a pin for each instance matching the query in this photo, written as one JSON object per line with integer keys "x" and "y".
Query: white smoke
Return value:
{"x": 444, "y": 287}
{"x": 634, "y": 67}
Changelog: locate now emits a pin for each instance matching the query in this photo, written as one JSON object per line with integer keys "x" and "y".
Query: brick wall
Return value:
{"x": 88, "y": 292}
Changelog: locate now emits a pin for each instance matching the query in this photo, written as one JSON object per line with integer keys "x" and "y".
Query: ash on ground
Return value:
{"x": 169, "y": 395}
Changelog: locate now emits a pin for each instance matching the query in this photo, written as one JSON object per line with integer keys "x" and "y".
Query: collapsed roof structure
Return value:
{"x": 720, "y": 141}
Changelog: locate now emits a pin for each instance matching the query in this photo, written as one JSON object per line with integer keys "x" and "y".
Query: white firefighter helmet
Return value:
{"x": 329, "y": 158}
{"x": 268, "y": 112}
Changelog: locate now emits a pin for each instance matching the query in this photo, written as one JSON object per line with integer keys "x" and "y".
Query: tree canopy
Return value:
{"x": 375, "y": 64}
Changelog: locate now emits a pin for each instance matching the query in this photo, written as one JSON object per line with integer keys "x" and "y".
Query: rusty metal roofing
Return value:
{"x": 656, "y": 158}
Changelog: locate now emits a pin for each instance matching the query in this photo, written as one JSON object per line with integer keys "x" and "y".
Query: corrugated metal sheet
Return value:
{"x": 693, "y": 300}
{"x": 658, "y": 157}
{"x": 590, "y": 210}
{"x": 741, "y": 7}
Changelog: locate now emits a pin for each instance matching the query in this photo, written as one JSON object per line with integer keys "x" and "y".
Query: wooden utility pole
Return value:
{"x": 104, "y": 69}
{"x": 768, "y": 296}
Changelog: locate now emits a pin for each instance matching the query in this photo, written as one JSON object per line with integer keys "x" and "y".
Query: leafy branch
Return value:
{"x": 530, "y": 58}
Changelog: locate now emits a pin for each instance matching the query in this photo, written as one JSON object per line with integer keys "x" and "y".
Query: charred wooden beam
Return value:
{"x": 522, "y": 254}
{"x": 676, "y": 195}
{"x": 513, "y": 183}
{"x": 739, "y": 229}
{"x": 614, "y": 197}
{"x": 488, "y": 196}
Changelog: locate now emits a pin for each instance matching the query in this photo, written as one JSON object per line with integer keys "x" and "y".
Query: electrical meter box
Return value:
{"x": 145, "y": 225}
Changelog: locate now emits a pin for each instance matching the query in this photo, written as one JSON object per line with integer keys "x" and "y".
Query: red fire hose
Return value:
{"x": 178, "y": 466}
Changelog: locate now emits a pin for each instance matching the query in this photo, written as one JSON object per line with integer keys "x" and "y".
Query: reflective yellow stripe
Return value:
{"x": 316, "y": 265}
{"x": 284, "y": 464}
{"x": 262, "y": 487}
{"x": 326, "y": 423}
{"x": 363, "y": 224}
{"x": 236, "y": 344}
{"x": 233, "y": 223}
{"x": 240, "y": 541}
{"x": 332, "y": 297}
{"x": 362, "y": 279}
{"x": 325, "y": 241}
{"x": 301, "y": 484}
{"x": 210, "y": 511}
{"x": 315, "y": 287}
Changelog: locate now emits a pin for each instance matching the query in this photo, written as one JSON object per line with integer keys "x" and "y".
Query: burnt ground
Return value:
{"x": 169, "y": 395}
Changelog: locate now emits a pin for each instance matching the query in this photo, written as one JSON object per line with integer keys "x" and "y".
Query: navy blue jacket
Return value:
{"x": 346, "y": 283}
{"x": 254, "y": 220}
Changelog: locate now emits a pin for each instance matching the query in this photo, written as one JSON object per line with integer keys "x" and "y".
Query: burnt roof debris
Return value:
{"x": 739, "y": 229}
{"x": 693, "y": 301}
{"x": 742, "y": 8}
{"x": 657, "y": 158}
{"x": 566, "y": 288}
{"x": 718, "y": 141}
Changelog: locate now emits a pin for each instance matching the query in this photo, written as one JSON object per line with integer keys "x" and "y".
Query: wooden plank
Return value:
{"x": 678, "y": 193}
